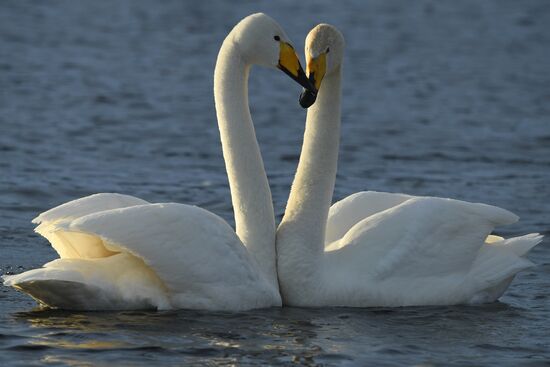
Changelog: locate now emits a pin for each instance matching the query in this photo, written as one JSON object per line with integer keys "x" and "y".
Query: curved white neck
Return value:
{"x": 301, "y": 234}
{"x": 250, "y": 193}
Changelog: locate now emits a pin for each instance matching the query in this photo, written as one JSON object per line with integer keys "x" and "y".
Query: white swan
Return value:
{"x": 381, "y": 249}
{"x": 121, "y": 252}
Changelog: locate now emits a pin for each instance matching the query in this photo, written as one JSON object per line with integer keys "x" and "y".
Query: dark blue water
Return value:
{"x": 441, "y": 98}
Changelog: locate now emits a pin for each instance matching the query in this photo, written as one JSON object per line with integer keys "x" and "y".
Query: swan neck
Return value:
{"x": 250, "y": 193}
{"x": 301, "y": 234}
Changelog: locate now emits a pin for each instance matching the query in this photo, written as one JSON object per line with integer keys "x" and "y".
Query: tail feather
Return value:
{"x": 523, "y": 244}
{"x": 496, "y": 266}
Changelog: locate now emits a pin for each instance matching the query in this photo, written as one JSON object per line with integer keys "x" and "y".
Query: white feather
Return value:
{"x": 120, "y": 252}
{"x": 382, "y": 249}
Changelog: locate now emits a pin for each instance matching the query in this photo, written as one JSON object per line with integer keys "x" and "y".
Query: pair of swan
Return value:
{"x": 369, "y": 249}
{"x": 121, "y": 252}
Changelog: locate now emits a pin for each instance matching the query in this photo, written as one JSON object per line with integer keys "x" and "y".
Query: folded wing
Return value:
{"x": 195, "y": 253}
{"x": 422, "y": 236}
{"x": 347, "y": 212}
{"x": 75, "y": 246}
{"x": 120, "y": 252}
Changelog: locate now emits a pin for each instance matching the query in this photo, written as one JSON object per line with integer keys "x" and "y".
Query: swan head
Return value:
{"x": 324, "y": 49}
{"x": 261, "y": 41}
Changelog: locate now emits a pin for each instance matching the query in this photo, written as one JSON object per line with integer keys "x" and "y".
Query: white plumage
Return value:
{"x": 143, "y": 256}
{"x": 424, "y": 250}
{"x": 381, "y": 249}
{"x": 121, "y": 252}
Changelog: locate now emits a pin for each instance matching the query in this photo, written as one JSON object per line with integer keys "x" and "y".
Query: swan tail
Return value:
{"x": 101, "y": 284}
{"x": 521, "y": 245}
{"x": 496, "y": 266}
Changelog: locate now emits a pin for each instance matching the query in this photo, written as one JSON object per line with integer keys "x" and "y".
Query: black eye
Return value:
{"x": 328, "y": 50}
{"x": 277, "y": 38}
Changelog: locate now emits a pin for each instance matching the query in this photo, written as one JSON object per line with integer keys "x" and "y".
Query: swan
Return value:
{"x": 121, "y": 252}
{"x": 376, "y": 248}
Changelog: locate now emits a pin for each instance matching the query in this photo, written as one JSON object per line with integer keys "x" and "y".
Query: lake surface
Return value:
{"x": 441, "y": 98}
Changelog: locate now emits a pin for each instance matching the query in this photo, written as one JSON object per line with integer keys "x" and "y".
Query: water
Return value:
{"x": 441, "y": 98}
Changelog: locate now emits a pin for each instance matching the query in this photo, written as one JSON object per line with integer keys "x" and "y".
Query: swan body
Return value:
{"x": 381, "y": 249}
{"x": 121, "y": 252}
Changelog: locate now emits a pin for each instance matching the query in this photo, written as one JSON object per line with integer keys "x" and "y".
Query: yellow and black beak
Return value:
{"x": 290, "y": 65}
{"x": 316, "y": 69}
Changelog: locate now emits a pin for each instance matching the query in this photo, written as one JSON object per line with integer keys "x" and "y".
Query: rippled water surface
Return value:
{"x": 441, "y": 98}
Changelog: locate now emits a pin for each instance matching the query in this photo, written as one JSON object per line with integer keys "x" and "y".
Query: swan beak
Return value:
{"x": 316, "y": 69}
{"x": 290, "y": 65}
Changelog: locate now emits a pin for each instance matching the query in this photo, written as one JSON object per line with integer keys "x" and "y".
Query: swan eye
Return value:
{"x": 328, "y": 50}
{"x": 277, "y": 38}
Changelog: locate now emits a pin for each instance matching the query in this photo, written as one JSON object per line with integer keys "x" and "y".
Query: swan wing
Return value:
{"x": 88, "y": 247}
{"x": 87, "y": 205}
{"x": 195, "y": 253}
{"x": 421, "y": 237}
{"x": 347, "y": 212}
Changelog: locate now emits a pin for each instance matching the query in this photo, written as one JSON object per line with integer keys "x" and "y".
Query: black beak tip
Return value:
{"x": 306, "y": 83}
{"x": 307, "y": 98}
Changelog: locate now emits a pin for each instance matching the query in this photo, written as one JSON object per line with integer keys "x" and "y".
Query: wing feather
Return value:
{"x": 421, "y": 237}
{"x": 192, "y": 250}
{"x": 347, "y": 212}
{"x": 80, "y": 246}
